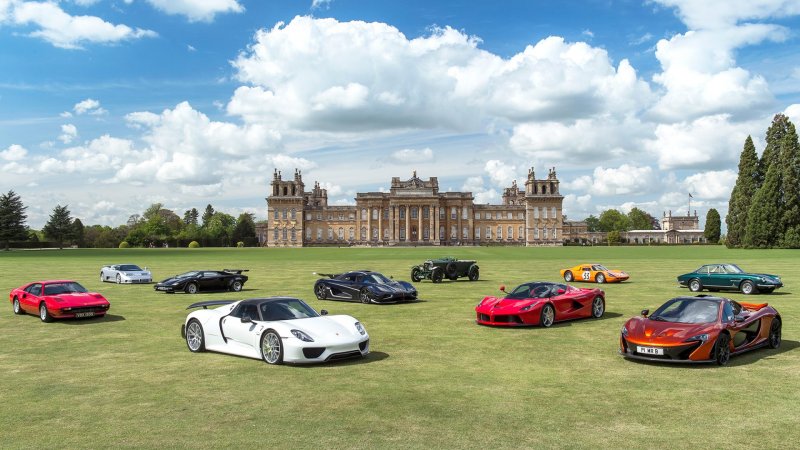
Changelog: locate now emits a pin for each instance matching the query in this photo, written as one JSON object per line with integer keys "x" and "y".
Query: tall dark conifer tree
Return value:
{"x": 712, "y": 231}
{"x": 790, "y": 182}
{"x": 12, "y": 218}
{"x": 775, "y": 134}
{"x": 742, "y": 194}
{"x": 763, "y": 224}
{"x": 59, "y": 227}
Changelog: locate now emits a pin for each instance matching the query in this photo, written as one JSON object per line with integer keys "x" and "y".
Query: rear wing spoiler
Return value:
{"x": 753, "y": 306}
{"x": 329, "y": 275}
{"x": 237, "y": 271}
{"x": 208, "y": 303}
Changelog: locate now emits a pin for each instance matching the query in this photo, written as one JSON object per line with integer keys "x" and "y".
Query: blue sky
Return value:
{"x": 111, "y": 105}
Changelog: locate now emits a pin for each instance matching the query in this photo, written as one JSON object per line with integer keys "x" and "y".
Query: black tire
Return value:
{"x": 695, "y": 285}
{"x": 747, "y": 287}
{"x": 599, "y": 278}
{"x": 722, "y": 350}
{"x": 548, "y": 316}
{"x": 236, "y": 286}
{"x": 474, "y": 273}
{"x": 273, "y": 353}
{"x": 320, "y": 291}
{"x": 365, "y": 296}
{"x": 119, "y": 279}
{"x": 44, "y": 314}
{"x": 191, "y": 288}
{"x": 17, "y": 307}
{"x": 416, "y": 277}
{"x": 598, "y": 307}
{"x": 102, "y": 278}
{"x": 437, "y": 275}
{"x": 195, "y": 336}
{"x": 775, "y": 333}
{"x": 451, "y": 270}
{"x": 568, "y": 276}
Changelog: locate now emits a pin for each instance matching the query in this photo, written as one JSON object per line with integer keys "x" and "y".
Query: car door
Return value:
{"x": 566, "y": 305}
{"x": 706, "y": 275}
{"x": 743, "y": 326}
{"x": 210, "y": 281}
{"x": 31, "y": 297}
{"x": 240, "y": 333}
{"x": 586, "y": 273}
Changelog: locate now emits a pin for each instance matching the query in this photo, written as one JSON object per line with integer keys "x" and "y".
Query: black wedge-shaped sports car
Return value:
{"x": 204, "y": 280}
{"x": 364, "y": 286}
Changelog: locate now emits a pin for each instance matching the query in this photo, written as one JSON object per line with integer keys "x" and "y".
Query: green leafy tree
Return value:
{"x": 190, "y": 217}
{"x": 790, "y": 182}
{"x": 245, "y": 228}
{"x": 713, "y": 228}
{"x": 12, "y": 218}
{"x": 78, "y": 232}
{"x": 742, "y": 194}
{"x": 207, "y": 215}
{"x": 59, "y": 227}
{"x": 592, "y": 224}
{"x": 779, "y": 128}
{"x": 613, "y": 220}
{"x": 221, "y": 226}
{"x": 614, "y": 237}
{"x": 640, "y": 220}
{"x": 763, "y": 226}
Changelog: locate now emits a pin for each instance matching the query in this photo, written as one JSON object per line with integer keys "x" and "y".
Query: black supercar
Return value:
{"x": 204, "y": 280}
{"x": 363, "y": 286}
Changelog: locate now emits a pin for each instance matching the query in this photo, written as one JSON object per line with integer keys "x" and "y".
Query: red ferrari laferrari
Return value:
{"x": 57, "y": 299}
{"x": 540, "y": 303}
{"x": 700, "y": 329}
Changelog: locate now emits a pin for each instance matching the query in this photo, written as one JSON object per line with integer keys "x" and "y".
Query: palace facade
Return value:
{"x": 413, "y": 212}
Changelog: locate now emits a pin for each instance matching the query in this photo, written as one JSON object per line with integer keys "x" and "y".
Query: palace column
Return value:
{"x": 357, "y": 236}
{"x": 419, "y": 227}
{"x": 408, "y": 222}
{"x": 380, "y": 223}
{"x": 369, "y": 224}
{"x": 431, "y": 219}
{"x": 459, "y": 233}
{"x": 436, "y": 223}
{"x": 392, "y": 224}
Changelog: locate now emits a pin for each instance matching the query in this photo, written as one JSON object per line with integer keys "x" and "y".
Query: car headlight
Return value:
{"x": 360, "y": 328}
{"x": 302, "y": 336}
{"x": 700, "y": 337}
{"x": 526, "y": 308}
{"x": 624, "y": 331}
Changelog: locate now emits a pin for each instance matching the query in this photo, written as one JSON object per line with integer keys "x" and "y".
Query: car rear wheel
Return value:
{"x": 437, "y": 275}
{"x": 271, "y": 347}
{"x": 102, "y": 278}
{"x": 236, "y": 286}
{"x": 191, "y": 288}
{"x": 44, "y": 314}
{"x": 195, "y": 339}
{"x": 598, "y": 307}
{"x": 747, "y": 287}
{"x": 568, "y": 277}
{"x": 17, "y": 307}
{"x": 416, "y": 275}
{"x": 320, "y": 291}
{"x": 548, "y": 316}
{"x": 600, "y": 278}
{"x": 474, "y": 273}
{"x": 451, "y": 269}
{"x": 119, "y": 279}
{"x": 695, "y": 285}
{"x": 775, "y": 333}
{"x": 365, "y": 296}
{"x": 722, "y": 350}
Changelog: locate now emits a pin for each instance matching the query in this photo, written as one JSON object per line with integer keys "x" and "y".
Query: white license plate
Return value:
{"x": 161, "y": 288}
{"x": 84, "y": 314}
{"x": 650, "y": 350}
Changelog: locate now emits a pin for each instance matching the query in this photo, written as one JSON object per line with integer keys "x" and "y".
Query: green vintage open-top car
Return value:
{"x": 717, "y": 277}
{"x": 450, "y": 268}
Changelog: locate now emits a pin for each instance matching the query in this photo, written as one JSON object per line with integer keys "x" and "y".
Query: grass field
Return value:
{"x": 434, "y": 378}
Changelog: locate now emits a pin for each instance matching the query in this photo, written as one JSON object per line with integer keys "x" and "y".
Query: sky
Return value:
{"x": 109, "y": 106}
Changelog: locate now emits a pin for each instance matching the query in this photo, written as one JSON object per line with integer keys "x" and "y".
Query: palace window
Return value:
{"x": 374, "y": 214}
{"x": 477, "y": 215}
{"x": 521, "y": 233}
{"x": 283, "y": 213}
{"x": 414, "y": 212}
{"x": 294, "y": 212}
{"x": 402, "y": 234}
{"x": 341, "y": 215}
{"x": 330, "y": 234}
{"x": 330, "y": 216}
{"x": 488, "y": 215}
{"x": 555, "y": 232}
{"x": 478, "y": 233}
{"x": 341, "y": 233}
{"x": 510, "y": 233}
{"x": 294, "y": 234}
{"x": 498, "y": 215}
{"x": 441, "y": 233}
{"x": 319, "y": 216}
{"x": 544, "y": 233}
{"x": 544, "y": 212}
{"x": 402, "y": 211}
{"x": 464, "y": 214}
{"x": 536, "y": 233}
{"x": 499, "y": 232}
{"x": 488, "y": 233}
{"x": 352, "y": 233}
{"x": 426, "y": 212}
{"x": 426, "y": 233}
{"x": 308, "y": 216}
{"x": 385, "y": 234}
{"x": 535, "y": 212}
{"x": 453, "y": 213}
{"x": 465, "y": 233}
{"x": 283, "y": 234}
{"x": 453, "y": 233}
{"x": 375, "y": 234}
{"x": 553, "y": 212}
{"x": 510, "y": 215}
{"x": 276, "y": 213}
{"x": 319, "y": 234}
{"x": 363, "y": 214}
{"x": 275, "y": 236}
{"x": 363, "y": 234}
{"x": 308, "y": 233}
{"x": 386, "y": 213}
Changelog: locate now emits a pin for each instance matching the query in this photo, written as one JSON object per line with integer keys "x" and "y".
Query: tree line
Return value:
{"x": 764, "y": 207}
{"x": 614, "y": 222}
{"x": 156, "y": 226}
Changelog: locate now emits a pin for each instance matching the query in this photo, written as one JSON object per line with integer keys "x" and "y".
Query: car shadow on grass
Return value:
{"x": 565, "y": 324}
{"x": 743, "y": 359}
{"x": 370, "y": 358}
{"x": 92, "y": 320}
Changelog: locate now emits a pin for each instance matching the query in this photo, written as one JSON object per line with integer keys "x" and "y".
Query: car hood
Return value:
{"x": 78, "y": 299}
{"x": 394, "y": 286}
{"x": 324, "y": 327}
{"x": 172, "y": 280}
{"x": 502, "y": 304}
{"x": 643, "y": 329}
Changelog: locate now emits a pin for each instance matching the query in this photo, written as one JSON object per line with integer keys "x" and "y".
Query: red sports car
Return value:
{"x": 57, "y": 299}
{"x": 540, "y": 303}
{"x": 700, "y": 329}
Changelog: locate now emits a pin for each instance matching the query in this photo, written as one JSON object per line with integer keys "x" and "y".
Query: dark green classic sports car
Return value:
{"x": 716, "y": 277}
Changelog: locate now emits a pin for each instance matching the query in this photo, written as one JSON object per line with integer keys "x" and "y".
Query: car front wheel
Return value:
{"x": 695, "y": 285}
{"x": 17, "y": 307}
{"x": 437, "y": 275}
{"x": 271, "y": 347}
{"x": 195, "y": 339}
{"x": 474, "y": 273}
{"x": 722, "y": 350}
{"x": 415, "y": 275}
{"x": 600, "y": 278}
{"x": 365, "y": 296}
{"x": 119, "y": 279}
{"x": 548, "y": 316}
{"x": 568, "y": 277}
{"x": 44, "y": 314}
{"x": 320, "y": 291}
{"x": 748, "y": 287}
{"x": 191, "y": 288}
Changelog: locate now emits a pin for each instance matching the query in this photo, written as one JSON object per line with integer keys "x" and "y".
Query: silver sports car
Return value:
{"x": 125, "y": 273}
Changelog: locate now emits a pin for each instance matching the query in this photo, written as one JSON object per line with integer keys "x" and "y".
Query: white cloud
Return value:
{"x": 714, "y": 185}
{"x": 481, "y": 193}
{"x": 89, "y": 106}
{"x": 13, "y": 153}
{"x": 624, "y": 180}
{"x": 793, "y": 113}
{"x": 65, "y": 114}
{"x": 316, "y": 4}
{"x": 411, "y": 155}
{"x": 197, "y": 10}
{"x": 68, "y": 133}
{"x": 501, "y": 173}
{"x": 711, "y": 14}
{"x": 70, "y": 32}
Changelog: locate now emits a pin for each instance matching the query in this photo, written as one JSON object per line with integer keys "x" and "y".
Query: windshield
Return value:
{"x": 129, "y": 268}
{"x": 530, "y": 290}
{"x": 599, "y": 268}
{"x": 69, "y": 287}
{"x": 187, "y": 275}
{"x": 687, "y": 310}
{"x": 287, "y": 309}
{"x": 376, "y": 278}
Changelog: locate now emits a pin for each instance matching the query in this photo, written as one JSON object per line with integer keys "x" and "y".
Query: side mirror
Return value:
{"x": 503, "y": 287}
{"x": 24, "y": 295}
{"x": 738, "y": 319}
{"x": 561, "y": 291}
{"x": 246, "y": 319}
{"x": 645, "y": 312}
{"x": 324, "y": 312}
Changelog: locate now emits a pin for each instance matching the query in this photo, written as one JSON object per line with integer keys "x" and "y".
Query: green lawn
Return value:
{"x": 434, "y": 378}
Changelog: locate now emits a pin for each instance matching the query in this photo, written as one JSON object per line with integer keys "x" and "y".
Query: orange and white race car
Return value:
{"x": 593, "y": 273}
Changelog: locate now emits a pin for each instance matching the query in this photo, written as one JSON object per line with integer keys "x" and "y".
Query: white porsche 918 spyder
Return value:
{"x": 125, "y": 273}
{"x": 276, "y": 329}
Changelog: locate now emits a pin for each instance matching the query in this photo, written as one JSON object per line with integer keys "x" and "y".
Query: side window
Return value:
{"x": 250, "y": 311}
{"x": 34, "y": 289}
{"x": 237, "y": 312}
{"x": 727, "y": 312}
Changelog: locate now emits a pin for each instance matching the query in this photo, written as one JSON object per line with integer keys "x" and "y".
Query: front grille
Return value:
{"x": 140, "y": 281}
{"x": 344, "y": 355}
{"x": 85, "y": 309}
{"x": 483, "y": 317}
{"x": 363, "y": 345}
{"x": 508, "y": 319}
{"x": 676, "y": 353}
{"x": 313, "y": 352}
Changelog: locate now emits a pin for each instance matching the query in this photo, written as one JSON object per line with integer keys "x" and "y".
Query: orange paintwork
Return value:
{"x": 589, "y": 272}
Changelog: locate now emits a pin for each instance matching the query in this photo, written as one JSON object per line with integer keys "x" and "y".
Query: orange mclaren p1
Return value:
{"x": 700, "y": 329}
{"x": 593, "y": 273}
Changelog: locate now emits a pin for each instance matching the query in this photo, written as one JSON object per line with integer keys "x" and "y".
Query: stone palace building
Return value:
{"x": 414, "y": 213}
